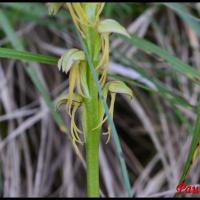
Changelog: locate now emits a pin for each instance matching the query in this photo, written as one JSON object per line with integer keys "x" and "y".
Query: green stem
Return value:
{"x": 92, "y": 142}
{"x": 91, "y": 119}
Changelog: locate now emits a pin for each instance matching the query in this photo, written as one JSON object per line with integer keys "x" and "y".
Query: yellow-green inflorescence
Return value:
{"x": 86, "y": 16}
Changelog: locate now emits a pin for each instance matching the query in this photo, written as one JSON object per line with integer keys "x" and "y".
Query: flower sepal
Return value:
{"x": 69, "y": 58}
{"x": 111, "y": 26}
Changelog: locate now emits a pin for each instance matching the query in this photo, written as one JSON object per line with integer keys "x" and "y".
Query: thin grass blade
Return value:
{"x": 27, "y": 56}
{"x": 195, "y": 140}
{"x": 173, "y": 62}
{"x": 185, "y": 15}
{"x": 17, "y": 44}
{"x": 179, "y": 66}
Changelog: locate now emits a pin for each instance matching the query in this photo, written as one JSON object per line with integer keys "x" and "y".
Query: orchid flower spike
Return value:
{"x": 86, "y": 17}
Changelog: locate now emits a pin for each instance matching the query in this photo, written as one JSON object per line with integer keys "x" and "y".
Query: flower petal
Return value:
{"x": 69, "y": 58}
{"x": 111, "y": 26}
{"x": 120, "y": 87}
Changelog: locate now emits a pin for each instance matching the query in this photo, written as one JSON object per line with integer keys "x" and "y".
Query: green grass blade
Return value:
{"x": 27, "y": 56}
{"x": 30, "y": 8}
{"x": 185, "y": 15}
{"x": 36, "y": 13}
{"x": 195, "y": 140}
{"x": 160, "y": 87}
{"x": 27, "y": 17}
{"x": 183, "y": 119}
{"x": 179, "y": 66}
{"x": 7, "y": 28}
{"x": 38, "y": 10}
{"x": 111, "y": 123}
{"x": 16, "y": 43}
{"x": 173, "y": 62}
{"x": 174, "y": 101}
{"x": 56, "y": 116}
{"x": 163, "y": 92}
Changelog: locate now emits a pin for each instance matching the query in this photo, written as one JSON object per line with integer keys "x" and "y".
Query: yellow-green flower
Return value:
{"x": 75, "y": 102}
{"x": 82, "y": 93}
{"x": 114, "y": 87}
{"x": 86, "y": 17}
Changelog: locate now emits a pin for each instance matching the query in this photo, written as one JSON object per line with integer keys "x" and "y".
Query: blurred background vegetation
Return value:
{"x": 155, "y": 129}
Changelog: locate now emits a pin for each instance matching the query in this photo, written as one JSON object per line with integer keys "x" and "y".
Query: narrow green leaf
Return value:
{"x": 179, "y": 66}
{"x": 56, "y": 116}
{"x": 35, "y": 13}
{"x": 36, "y": 9}
{"x": 195, "y": 140}
{"x": 173, "y": 101}
{"x": 160, "y": 87}
{"x": 185, "y": 15}
{"x": 27, "y": 56}
{"x": 173, "y": 62}
{"x": 16, "y": 43}
{"x": 49, "y": 22}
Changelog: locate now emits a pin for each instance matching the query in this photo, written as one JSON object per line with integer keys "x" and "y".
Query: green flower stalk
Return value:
{"x": 82, "y": 93}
